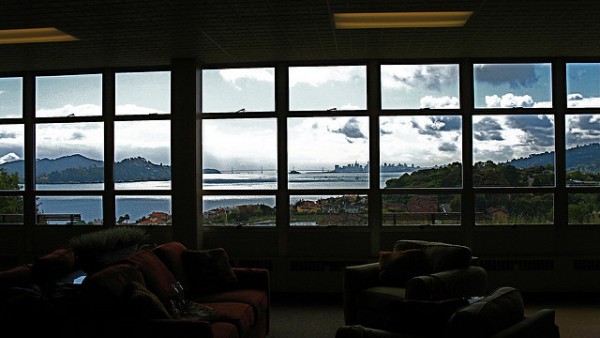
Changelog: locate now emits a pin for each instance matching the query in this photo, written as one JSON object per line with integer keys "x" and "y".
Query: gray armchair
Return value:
{"x": 422, "y": 270}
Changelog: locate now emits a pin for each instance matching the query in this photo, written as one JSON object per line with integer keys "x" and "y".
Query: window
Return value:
{"x": 328, "y": 152}
{"x": 411, "y": 147}
{"x": 239, "y": 150}
{"x": 69, "y": 127}
{"x": 12, "y": 149}
{"x": 142, "y": 148}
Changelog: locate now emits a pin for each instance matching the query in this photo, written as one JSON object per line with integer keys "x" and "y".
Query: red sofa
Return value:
{"x": 132, "y": 297}
{"x": 238, "y": 297}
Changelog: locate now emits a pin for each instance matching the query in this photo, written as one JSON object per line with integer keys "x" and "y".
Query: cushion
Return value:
{"x": 104, "y": 290}
{"x": 158, "y": 279}
{"x": 208, "y": 270}
{"x": 396, "y": 267}
{"x": 53, "y": 265}
{"x": 498, "y": 310}
{"x": 140, "y": 303}
{"x": 170, "y": 254}
{"x": 19, "y": 276}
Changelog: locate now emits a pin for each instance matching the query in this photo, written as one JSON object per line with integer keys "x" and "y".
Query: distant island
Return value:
{"x": 210, "y": 171}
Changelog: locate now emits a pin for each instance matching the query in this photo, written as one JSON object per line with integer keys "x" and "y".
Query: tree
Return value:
{"x": 10, "y": 204}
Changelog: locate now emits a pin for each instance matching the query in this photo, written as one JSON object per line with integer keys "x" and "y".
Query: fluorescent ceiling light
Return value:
{"x": 31, "y": 35}
{"x": 400, "y": 19}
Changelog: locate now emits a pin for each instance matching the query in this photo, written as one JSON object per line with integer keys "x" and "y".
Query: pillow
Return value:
{"x": 208, "y": 270}
{"x": 483, "y": 318}
{"x": 53, "y": 265}
{"x": 159, "y": 279}
{"x": 140, "y": 303}
{"x": 396, "y": 267}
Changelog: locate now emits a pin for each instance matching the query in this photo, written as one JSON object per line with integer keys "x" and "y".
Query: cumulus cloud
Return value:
{"x": 444, "y": 102}
{"x": 510, "y": 100}
{"x": 577, "y": 100}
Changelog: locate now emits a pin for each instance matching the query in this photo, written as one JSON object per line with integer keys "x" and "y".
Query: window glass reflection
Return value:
{"x": 69, "y": 95}
{"x": 69, "y": 210}
{"x": 583, "y": 85}
{"x": 11, "y": 97}
{"x": 420, "y": 151}
{"x": 143, "y": 210}
{"x": 421, "y": 209}
{"x": 328, "y": 88}
{"x": 514, "y": 208}
{"x": 239, "y": 211}
{"x": 328, "y": 152}
{"x": 419, "y": 86}
{"x": 512, "y": 85}
{"x": 239, "y": 154}
{"x": 325, "y": 210}
{"x": 513, "y": 150}
{"x": 240, "y": 90}
{"x": 143, "y": 93}
{"x": 70, "y": 156}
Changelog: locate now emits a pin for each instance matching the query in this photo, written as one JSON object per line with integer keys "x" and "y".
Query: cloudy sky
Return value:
{"x": 80, "y": 95}
{"x": 319, "y": 142}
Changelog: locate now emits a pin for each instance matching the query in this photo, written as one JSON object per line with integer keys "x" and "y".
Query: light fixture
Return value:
{"x": 401, "y": 19}
{"x": 31, "y": 35}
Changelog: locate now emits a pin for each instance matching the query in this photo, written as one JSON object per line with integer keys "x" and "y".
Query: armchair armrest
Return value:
{"x": 355, "y": 279}
{"x": 464, "y": 282}
{"x": 539, "y": 325}
{"x": 252, "y": 278}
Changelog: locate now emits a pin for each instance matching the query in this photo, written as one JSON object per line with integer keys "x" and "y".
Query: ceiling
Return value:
{"x": 128, "y": 33}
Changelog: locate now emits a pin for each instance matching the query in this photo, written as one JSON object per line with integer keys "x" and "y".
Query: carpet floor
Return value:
{"x": 319, "y": 316}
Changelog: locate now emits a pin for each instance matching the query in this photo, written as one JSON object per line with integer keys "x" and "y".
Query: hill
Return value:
{"x": 80, "y": 169}
{"x": 582, "y": 158}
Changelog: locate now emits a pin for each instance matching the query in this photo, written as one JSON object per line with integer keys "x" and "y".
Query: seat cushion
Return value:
{"x": 372, "y": 304}
{"x": 255, "y": 298}
{"x": 239, "y": 314}
{"x": 498, "y": 310}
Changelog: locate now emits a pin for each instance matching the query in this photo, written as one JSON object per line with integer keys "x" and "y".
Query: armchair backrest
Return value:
{"x": 439, "y": 256}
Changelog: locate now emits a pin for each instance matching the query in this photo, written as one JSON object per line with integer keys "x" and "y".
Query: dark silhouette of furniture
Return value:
{"x": 412, "y": 270}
